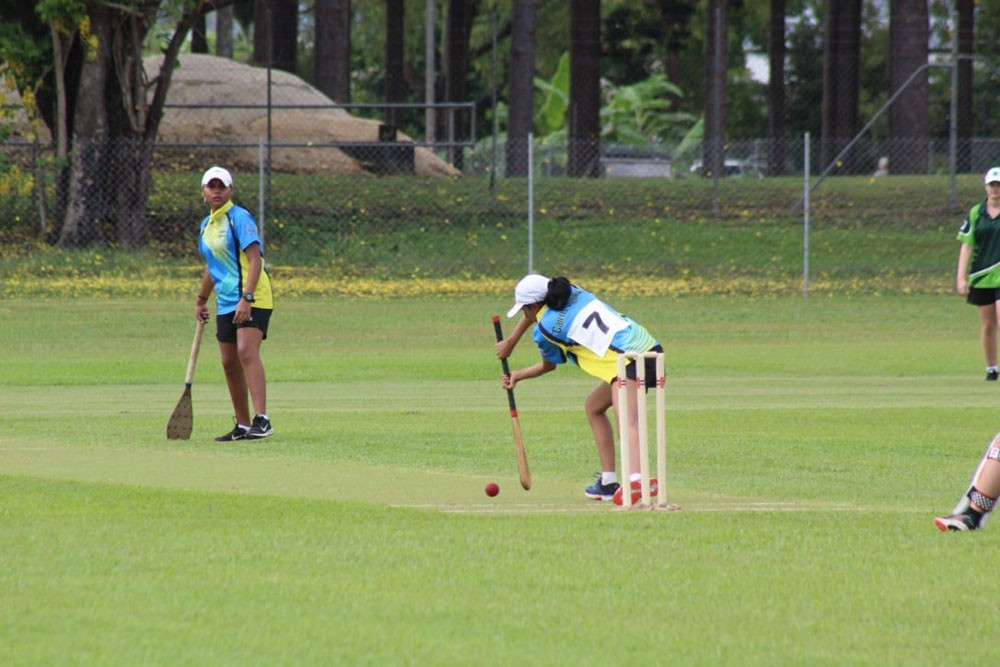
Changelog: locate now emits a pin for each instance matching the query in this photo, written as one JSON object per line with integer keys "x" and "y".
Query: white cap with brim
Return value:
{"x": 530, "y": 289}
{"x": 217, "y": 173}
{"x": 992, "y": 176}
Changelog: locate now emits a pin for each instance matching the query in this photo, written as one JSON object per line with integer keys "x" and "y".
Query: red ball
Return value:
{"x": 492, "y": 489}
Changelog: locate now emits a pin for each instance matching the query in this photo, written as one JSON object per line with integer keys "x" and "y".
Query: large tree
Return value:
{"x": 276, "y": 34}
{"x": 395, "y": 82}
{"x": 716, "y": 57}
{"x": 841, "y": 68}
{"x": 456, "y": 68}
{"x": 109, "y": 107}
{"x": 909, "y": 26}
{"x": 521, "y": 96}
{"x": 675, "y": 16}
{"x": 966, "y": 46}
{"x": 776, "y": 139}
{"x": 224, "y": 21}
{"x": 332, "y": 55}
{"x": 584, "y": 88}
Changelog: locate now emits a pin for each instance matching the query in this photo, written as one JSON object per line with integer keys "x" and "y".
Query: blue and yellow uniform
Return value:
{"x": 590, "y": 333}
{"x": 224, "y": 235}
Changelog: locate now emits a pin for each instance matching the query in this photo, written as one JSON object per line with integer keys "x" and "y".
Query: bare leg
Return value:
{"x": 988, "y": 481}
{"x": 598, "y": 402}
{"x": 988, "y": 332}
{"x": 235, "y": 381}
{"x": 248, "y": 348}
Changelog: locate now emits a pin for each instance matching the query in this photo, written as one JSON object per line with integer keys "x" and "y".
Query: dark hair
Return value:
{"x": 557, "y": 294}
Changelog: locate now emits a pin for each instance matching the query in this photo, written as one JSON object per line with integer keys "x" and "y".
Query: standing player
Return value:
{"x": 235, "y": 268}
{"x": 980, "y": 284}
{"x": 574, "y": 325}
{"x": 979, "y": 500}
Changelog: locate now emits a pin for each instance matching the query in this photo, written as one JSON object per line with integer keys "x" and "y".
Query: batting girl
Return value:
{"x": 574, "y": 325}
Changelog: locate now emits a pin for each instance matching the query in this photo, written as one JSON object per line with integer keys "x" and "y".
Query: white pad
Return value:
{"x": 992, "y": 452}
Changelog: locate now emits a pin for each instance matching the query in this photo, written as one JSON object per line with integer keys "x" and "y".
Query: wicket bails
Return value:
{"x": 645, "y": 499}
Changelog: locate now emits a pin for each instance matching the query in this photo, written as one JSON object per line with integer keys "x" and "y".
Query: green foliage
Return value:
{"x": 640, "y": 114}
{"x": 551, "y": 116}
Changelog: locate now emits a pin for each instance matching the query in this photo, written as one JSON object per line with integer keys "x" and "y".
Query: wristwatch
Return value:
{"x": 248, "y": 297}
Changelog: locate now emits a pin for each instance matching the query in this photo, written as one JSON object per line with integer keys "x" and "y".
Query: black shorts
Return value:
{"x": 650, "y": 363}
{"x": 225, "y": 330}
{"x": 983, "y": 296}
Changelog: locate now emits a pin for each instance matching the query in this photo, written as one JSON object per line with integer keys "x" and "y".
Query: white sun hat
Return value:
{"x": 992, "y": 176}
{"x": 217, "y": 173}
{"x": 530, "y": 289}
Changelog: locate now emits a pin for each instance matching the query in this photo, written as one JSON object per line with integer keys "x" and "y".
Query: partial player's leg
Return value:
{"x": 597, "y": 404}
{"x": 988, "y": 338}
{"x": 975, "y": 507}
{"x": 237, "y": 385}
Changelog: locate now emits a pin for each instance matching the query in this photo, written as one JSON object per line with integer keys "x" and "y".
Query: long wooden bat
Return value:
{"x": 522, "y": 456}
{"x": 182, "y": 419}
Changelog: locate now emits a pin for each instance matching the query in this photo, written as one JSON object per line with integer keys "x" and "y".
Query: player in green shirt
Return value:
{"x": 980, "y": 282}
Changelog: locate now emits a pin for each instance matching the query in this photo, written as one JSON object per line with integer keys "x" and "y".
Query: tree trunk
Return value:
{"x": 86, "y": 208}
{"x": 521, "y": 101}
{"x": 848, "y": 82}
{"x": 675, "y": 16}
{"x": 224, "y": 32}
{"x": 584, "y": 88}
{"x": 114, "y": 126}
{"x": 456, "y": 69}
{"x": 827, "y": 143}
{"x": 395, "y": 82}
{"x": 908, "y": 115}
{"x": 131, "y": 160}
{"x": 716, "y": 55}
{"x": 276, "y": 26}
{"x": 199, "y": 40}
{"x": 841, "y": 68}
{"x": 332, "y": 63}
{"x": 777, "y": 142}
{"x": 966, "y": 46}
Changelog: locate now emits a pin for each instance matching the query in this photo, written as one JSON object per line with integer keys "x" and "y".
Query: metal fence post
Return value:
{"x": 261, "y": 178}
{"x": 531, "y": 204}
{"x": 805, "y": 218}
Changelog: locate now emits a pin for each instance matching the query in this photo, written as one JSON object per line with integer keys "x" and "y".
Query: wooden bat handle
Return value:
{"x": 505, "y": 365}
{"x": 195, "y": 346}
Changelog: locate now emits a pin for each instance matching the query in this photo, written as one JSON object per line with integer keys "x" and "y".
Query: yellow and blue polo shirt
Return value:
{"x": 589, "y": 333}
{"x": 224, "y": 236}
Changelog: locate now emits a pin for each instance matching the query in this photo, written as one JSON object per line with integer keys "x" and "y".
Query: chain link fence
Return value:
{"x": 384, "y": 206}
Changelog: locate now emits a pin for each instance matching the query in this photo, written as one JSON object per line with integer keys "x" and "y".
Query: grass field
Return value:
{"x": 810, "y": 441}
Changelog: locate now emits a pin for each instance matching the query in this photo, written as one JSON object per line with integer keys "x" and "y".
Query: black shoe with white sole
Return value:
{"x": 261, "y": 428}
{"x": 238, "y": 433}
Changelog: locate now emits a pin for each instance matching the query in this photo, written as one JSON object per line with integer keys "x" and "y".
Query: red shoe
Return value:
{"x": 654, "y": 488}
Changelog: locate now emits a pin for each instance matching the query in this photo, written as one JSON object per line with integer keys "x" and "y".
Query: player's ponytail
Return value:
{"x": 557, "y": 295}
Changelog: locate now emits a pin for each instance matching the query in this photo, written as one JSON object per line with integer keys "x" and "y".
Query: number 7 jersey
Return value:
{"x": 590, "y": 333}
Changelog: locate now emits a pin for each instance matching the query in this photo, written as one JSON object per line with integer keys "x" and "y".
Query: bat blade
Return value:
{"x": 182, "y": 418}
{"x": 522, "y": 457}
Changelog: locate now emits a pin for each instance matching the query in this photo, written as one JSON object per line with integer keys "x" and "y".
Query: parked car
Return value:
{"x": 734, "y": 167}
{"x": 628, "y": 162}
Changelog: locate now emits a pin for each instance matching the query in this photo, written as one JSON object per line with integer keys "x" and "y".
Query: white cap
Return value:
{"x": 992, "y": 175}
{"x": 530, "y": 289}
{"x": 217, "y": 173}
